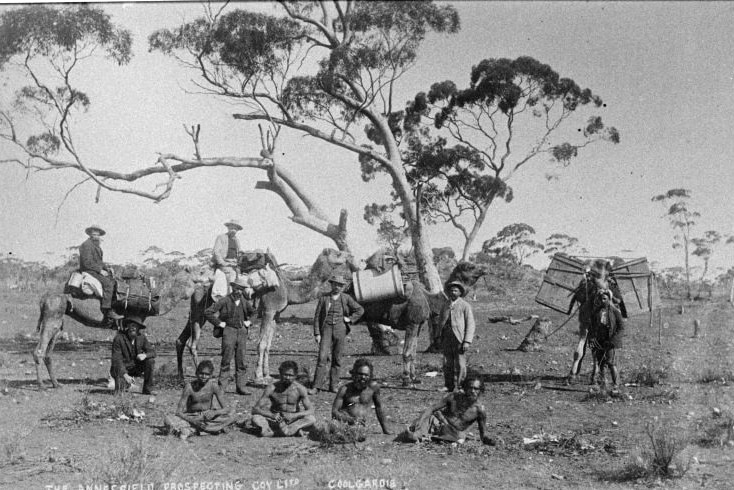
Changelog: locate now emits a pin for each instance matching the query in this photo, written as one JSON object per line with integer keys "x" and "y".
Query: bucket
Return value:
{"x": 369, "y": 286}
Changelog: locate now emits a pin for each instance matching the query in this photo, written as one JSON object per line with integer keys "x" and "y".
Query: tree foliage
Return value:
{"x": 319, "y": 66}
{"x": 563, "y": 244}
{"x": 516, "y": 242}
{"x": 512, "y": 112}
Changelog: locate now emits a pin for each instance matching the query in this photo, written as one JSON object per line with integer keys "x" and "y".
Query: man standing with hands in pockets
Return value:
{"x": 335, "y": 311}
{"x": 232, "y": 314}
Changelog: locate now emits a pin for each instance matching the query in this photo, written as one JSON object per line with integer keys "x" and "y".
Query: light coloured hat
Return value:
{"x": 92, "y": 228}
{"x": 234, "y": 224}
{"x": 240, "y": 282}
{"x": 458, "y": 285}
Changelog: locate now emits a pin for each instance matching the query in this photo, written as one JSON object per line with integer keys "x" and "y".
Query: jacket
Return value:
{"x": 350, "y": 307}
{"x": 124, "y": 353}
{"x": 462, "y": 320}
{"x": 90, "y": 257}
{"x": 225, "y": 310}
{"x": 219, "y": 254}
{"x": 611, "y": 333}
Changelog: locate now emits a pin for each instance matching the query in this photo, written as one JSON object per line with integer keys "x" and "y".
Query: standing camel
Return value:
{"x": 271, "y": 302}
{"x": 54, "y": 306}
{"x": 416, "y": 310}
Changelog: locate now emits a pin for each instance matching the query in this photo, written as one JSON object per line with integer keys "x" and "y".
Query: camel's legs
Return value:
{"x": 409, "y": 352}
{"x": 267, "y": 329}
{"x": 49, "y": 328}
{"x": 47, "y": 358}
{"x": 189, "y": 337}
{"x": 578, "y": 356}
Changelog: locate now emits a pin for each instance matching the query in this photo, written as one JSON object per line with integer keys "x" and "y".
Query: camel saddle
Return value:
{"x": 83, "y": 285}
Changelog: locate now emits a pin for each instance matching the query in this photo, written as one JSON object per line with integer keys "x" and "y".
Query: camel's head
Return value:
{"x": 467, "y": 273}
{"x": 331, "y": 262}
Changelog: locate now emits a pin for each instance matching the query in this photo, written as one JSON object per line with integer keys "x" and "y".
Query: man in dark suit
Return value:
{"x": 91, "y": 262}
{"x": 232, "y": 314}
{"x": 132, "y": 355}
{"x": 335, "y": 311}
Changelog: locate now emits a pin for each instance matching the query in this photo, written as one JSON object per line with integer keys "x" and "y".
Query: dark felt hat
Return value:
{"x": 338, "y": 279}
{"x": 133, "y": 319}
{"x": 92, "y": 228}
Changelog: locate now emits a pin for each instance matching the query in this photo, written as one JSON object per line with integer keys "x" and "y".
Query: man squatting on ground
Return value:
{"x": 449, "y": 419}
{"x": 354, "y": 400}
{"x": 132, "y": 355}
{"x": 285, "y": 398}
{"x": 457, "y": 335}
{"x": 195, "y": 411}
{"x": 231, "y": 313}
{"x": 334, "y": 313}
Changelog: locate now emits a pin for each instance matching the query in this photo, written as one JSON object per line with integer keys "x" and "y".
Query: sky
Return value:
{"x": 665, "y": 71}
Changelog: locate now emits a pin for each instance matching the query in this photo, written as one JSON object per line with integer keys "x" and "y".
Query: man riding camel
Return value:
{"x": 224, "y": 259}
{"x": 91, "y": 262}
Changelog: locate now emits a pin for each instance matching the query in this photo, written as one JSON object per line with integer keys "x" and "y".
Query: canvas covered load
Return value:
{"x": 134, "y": 295}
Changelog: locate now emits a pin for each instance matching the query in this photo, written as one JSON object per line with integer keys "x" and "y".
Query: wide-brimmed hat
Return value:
{"x": 240, "y": 282}
{"x": 234, "y": 224}
{"x": 92, "y": 228}
{"x": 135, "y": 319}
{"x": 338, "y": 279}
{"x": 458, "y": 285}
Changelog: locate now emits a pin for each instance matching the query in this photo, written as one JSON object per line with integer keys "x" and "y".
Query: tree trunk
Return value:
{"x": 688, "y": 271}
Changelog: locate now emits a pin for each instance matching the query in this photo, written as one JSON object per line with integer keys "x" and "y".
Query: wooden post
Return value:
{"x": 696, "y": 328}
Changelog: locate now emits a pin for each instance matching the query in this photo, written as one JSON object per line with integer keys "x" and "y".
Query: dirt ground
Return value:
{"x": 75, "y": 438}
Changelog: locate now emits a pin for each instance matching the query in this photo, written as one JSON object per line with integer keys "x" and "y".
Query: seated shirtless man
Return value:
{"x": 195, "y": 410}
{"x": 354, "y": 400}
{"x": 449, "y": 419}
{"x": 285, "y": 397}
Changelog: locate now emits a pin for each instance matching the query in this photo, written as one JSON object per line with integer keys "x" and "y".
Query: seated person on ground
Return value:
{"x": 354, "y": 400}
{"x": 195, "y": 411}
{"x": 132, "y": 355}
{"x": 286, "y": 397}
{"x": 449, "y": 419}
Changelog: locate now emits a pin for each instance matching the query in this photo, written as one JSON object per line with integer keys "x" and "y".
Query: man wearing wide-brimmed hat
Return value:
{"x": 91, "y": 262}
{"x": 456, "y": 336}
{"x": 335, "y": 311}
{"x": 132, "y": 355}
{"x": 224, "y": 259}
{"x": 232, "y": 315}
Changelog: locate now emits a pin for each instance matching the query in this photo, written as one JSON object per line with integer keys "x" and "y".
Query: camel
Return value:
{"x": 271, "y": 303}
{"x": 412, "y": 313}
{"x": 54, "y": 307}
